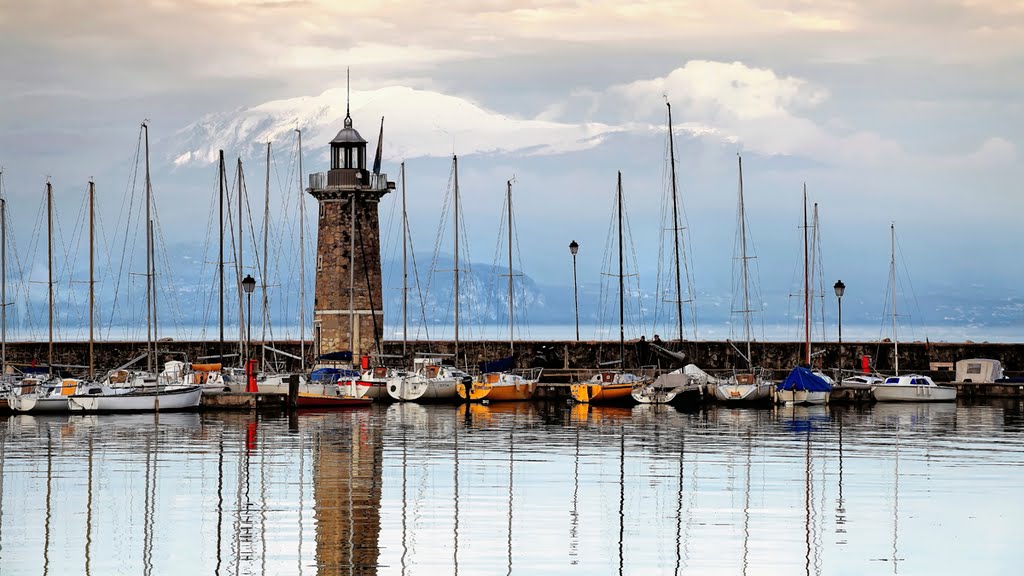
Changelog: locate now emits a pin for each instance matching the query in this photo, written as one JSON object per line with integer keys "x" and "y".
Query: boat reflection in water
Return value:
{"x": 513, "y": 488}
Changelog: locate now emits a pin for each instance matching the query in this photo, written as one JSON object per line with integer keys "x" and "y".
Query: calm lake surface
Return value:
{"x": 518, "y": 489}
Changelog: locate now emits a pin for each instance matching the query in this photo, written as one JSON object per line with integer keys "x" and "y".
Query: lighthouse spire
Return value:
{"x": 348, "y": 97}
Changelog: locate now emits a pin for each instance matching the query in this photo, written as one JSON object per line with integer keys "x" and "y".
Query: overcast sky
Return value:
{"x": 890, "y": 111}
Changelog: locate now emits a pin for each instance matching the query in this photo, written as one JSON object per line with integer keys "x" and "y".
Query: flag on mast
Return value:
{"x": 380, "y": 143}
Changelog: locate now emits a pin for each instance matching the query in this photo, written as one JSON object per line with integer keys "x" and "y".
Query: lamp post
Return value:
{"x": 248, "y": 284}
{"x": 840, "y": 288}
{"x": 573, "y": 249}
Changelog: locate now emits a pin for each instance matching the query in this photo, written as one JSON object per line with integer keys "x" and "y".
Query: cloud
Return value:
{"x": 992, "y": 151}
{"x": 755, "y": 107}
{"x": 157, "y": 44}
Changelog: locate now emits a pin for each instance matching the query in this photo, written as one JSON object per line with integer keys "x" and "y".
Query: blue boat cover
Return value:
{"x": 327, "y": 375}
{"x": 801, "y": 378}
{"x": 499, "y": 365}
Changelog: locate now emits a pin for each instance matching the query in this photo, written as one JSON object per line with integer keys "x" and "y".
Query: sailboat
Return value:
{"x": 499, "y": 382}
{"x": 143, "y": 393}
{"x": 749, "y": 386}
{"x": 47, "y": 393}
{"x": 675, "y": 385}
{"x": 379, "y": 380}
{"x": 95, "y": 397}
{"x": 612, "y": 386}
{"x": 431, "y": 380}
{"x": 909, "y": 387}
{"x": 11, "y": 381}
{"x": 76, "y": 395}
{"x": 802, "y": 386}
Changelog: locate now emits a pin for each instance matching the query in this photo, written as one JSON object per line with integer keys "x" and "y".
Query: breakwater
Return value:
{"x": 927, "y": 357}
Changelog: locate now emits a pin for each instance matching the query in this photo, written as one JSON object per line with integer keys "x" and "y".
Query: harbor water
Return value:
{"x": 517, "y": 488}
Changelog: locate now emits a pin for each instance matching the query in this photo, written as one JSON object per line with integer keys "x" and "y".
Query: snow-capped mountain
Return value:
{"x": 417, "y": 123}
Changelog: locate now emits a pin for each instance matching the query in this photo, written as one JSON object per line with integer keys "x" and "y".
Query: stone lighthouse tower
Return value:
{"x": 348, "y": 311}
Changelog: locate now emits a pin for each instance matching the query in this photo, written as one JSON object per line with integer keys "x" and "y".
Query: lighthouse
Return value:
{"x": 348, "y": 310}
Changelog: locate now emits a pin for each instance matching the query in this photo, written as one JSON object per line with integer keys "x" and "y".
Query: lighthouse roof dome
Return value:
{"x": 348, "y": 134}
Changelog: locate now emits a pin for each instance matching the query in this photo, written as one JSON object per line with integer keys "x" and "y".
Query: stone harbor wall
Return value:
{"x": 913, "y": 356}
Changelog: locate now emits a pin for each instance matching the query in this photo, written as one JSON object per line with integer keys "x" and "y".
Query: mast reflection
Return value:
{"x": 574, "y": 514}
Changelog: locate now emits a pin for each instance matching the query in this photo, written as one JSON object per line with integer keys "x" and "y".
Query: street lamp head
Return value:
{"x": 839, "y": 288}
{"x": 574, "y": 247}
{"x": 248, "y": 284}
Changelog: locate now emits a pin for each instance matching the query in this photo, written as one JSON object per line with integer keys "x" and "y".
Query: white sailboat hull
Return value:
{"x": 184, "y": 398}
{"x": 743, "y": 392}
{"x": 445, "y": 390}
{"x": 801, "y": 397}
{"x": 278, "y": 384}
{"x": 378, "y": 390}
{"x": 31, "y": 403}
{"x": 652, "y": 394}
{"x": 666, "y": 388}
{"x": 408, "y": 389}
{"x": 419, "y": 389}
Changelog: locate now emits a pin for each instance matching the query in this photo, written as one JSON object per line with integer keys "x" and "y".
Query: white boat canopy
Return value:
{"x": 978, "y": 370}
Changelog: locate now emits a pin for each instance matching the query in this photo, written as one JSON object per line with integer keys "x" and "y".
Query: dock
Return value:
{"x": 554, "y": 387}
{"x": 246, "y": 401}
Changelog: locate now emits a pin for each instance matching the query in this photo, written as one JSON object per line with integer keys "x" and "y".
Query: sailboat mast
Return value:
{"x": 816, "y": 265}
{"x": 220, "y": 260}
{"x": 3, "y": 279}
{"x": 622, "y": 283}
{"x": 743, "y": 253}
{"x": 266, "y": 228}
{"x": 892, "y": 273}
{"x": 675, "y": 221}
{"x": 352, "y": 274}
{"x": 152, "y": 272}
{"x": 455, "y": 167}
{"x": 49, "y": 269}
{"x": 807, "y": 293}
{"x": 302, "y": 264}
{"x": 405, "y": 273}
{"x": 150, "y": 345}
{"x": 92, "y": 284}
{"x": 243, "y": 353}
{"x": 511, "y": 319}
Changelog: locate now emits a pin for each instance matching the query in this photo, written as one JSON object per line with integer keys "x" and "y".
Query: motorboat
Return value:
{"x": 912, "y": 388}
{"x": 860, "y": 382}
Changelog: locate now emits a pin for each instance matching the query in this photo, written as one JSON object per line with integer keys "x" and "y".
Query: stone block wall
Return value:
{"x": 337, "y": 265}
